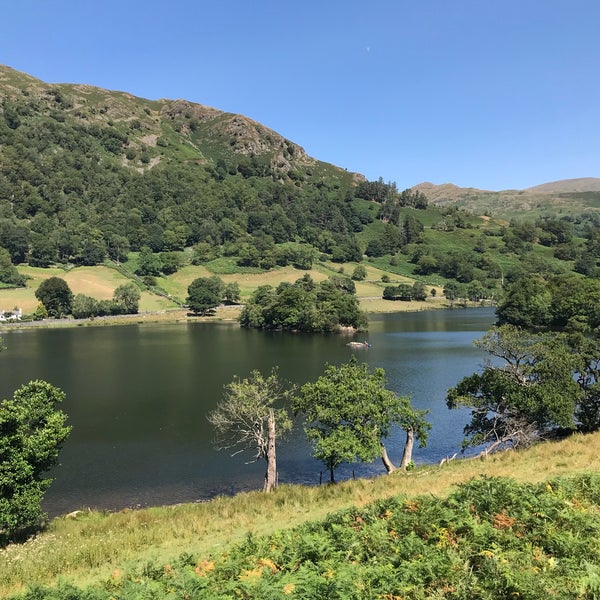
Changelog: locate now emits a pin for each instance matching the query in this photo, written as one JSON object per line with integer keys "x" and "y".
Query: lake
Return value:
{"x": 138, "y": 396}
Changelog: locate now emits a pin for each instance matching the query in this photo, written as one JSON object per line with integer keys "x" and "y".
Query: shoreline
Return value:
{"x": 152, "y": 317}
{"x": 224, "y": 314}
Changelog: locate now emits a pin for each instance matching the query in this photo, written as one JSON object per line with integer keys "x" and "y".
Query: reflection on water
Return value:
{"x": 137, "y": 397}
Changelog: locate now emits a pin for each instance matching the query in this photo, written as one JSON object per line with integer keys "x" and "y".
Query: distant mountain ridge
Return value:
{"x": 581, "y": 184}
{"x": 563, "y": 196}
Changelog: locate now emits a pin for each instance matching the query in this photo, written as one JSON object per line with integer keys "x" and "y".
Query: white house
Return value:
{"x": 11, "y": 315}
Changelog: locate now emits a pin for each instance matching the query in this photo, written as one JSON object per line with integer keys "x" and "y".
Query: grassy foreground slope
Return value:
{"x": 118, "y": 550}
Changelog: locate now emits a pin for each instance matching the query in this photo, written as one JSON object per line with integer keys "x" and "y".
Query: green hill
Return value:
{"x": 96, "y": 177}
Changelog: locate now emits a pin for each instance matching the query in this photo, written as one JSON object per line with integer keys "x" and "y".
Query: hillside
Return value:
{"x": 164, "y": 129}
{"x": 566, "y": 197}
{"x": 131, "y": 554}
{"x": 92, "y": 177}
{"x": 582, "y": 184}
{"x": 87, "y": 173}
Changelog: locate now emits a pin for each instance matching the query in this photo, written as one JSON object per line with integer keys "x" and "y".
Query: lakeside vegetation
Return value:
{"x": 101, "y": 282}
{"x": 109, "y": 550}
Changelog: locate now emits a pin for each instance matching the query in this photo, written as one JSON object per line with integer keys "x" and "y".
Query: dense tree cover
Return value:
{"x": 56, "y": 296}
{"x": 348, "y": 413}
{"x": 405, "y": 291}
{"x": 57, "y": 300}
{"x": 569, "y": 304}
{"x": 248, "y": 419}
{"x": 391, "y": 201}
{"x": 304, "y": 306}
{"x": 563, "y": 301}
{"x": 32, "y": 431}
{"x": 527, "y": 390}
{"x": 544, "y": 374}
{"x": 80, "y": 183}
{"x": 77, "y": 187}
{"x": 205, "y": 294}
{"x": 125, "y": 301}
{"x": 160, "y": 263}
{"x": 68, "y": 192}
{"x": 8, "y": 272}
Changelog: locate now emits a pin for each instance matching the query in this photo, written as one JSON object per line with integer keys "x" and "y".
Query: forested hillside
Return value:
{"x": 89, "y": 175}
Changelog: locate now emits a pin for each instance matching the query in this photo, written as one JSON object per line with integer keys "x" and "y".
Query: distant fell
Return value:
{"x": 445, "y": 191}
{"x": 581, "y": 184}
{"x": 568, "y": 196}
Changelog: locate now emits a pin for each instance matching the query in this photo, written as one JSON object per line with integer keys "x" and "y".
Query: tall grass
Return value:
{"x": 90, "y": 546}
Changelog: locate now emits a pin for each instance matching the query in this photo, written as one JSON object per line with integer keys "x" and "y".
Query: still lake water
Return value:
{"x": 138, "y": 396}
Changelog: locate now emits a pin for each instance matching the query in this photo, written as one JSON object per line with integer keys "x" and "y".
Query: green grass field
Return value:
{"x": 100, "y": 282}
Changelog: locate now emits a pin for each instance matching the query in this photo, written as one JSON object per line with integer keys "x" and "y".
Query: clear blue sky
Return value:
{"x": 493, "y": 94}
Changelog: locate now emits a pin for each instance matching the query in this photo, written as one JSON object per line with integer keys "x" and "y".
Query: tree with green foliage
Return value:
{"x": 575, "y": 303}
{"x": 359, "y": 273}
{"x": 251, "y": 418}
{"x": 205, "y": 294}
{"x": 526, "y": 302}
{"x": 149, "y": 263}
{"x": 171, "y": 262}
{"x": 203, "y": 252}
{"x": 128, "y": 296}
{"x": 412, "y": 230}
{"x": 426, "y": 264}
{"x": 475, "y": 291}
{"x": 390, "y": 292}
{"x": 304, "y": 306}
{"x": 117, "y": 247}
{"x": 42, "y": 252}
{"x": 40, "y": 312}
{"x": 404, "y": 291}
{"x": 452, "y": 291}
{"x": 32, "y": 431}
{"x": 84, "y": 307}
{"x": 586, "y": 350}
{"x": 555, "y": 301}
{"x": 56, "y": 295}
{"x": 231, "y": 294}
{"x": 93, "y": 248}
{"x": 419, "y": 292}
{"x": 8, "y": 272}
{"x": 348, "y": 413}
{"x": 15, "y": 238}
{"x": 528, "y": 390}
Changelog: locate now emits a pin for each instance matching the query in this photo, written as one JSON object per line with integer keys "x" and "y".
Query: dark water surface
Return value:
{"x": 138, "y": 395}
